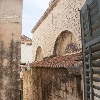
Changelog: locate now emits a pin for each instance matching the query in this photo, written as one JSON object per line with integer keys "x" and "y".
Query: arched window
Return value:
{"x": 39, "y": 55}
{"x": 65, "y": 43}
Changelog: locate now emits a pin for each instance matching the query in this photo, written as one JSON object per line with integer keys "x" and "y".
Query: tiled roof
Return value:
{"x": 25, "y": 39}
{"x": 59, "y": 61}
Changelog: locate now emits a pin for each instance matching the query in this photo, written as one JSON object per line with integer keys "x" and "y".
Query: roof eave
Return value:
{"x": 50, "y": 8}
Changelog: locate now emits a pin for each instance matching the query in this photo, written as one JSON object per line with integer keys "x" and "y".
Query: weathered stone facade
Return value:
{"x": 52, "y": 79}
{"x": 10, "y": 40}
{"x": 52, "y": 84}
{"x": 58, "y": 29}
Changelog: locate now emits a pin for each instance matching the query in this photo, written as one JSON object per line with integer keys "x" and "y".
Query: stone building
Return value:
{"x": 10, "y": 48}
{"x": 56, "y": 72}
{"x": 58, "y": 32}
{"x": 26, "y": 49}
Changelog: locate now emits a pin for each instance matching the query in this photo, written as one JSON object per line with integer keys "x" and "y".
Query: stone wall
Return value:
{"x": 54, "y": 78}
{"x": 52, "y": 84}
{"x": 62, "y": 15}
{"x": 10, "y": 38}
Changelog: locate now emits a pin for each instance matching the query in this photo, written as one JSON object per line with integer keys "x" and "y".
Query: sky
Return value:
{"x": 32, "y": 12}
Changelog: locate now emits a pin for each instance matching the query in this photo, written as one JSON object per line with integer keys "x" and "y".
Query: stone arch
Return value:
{"x": 39, "y": 55}
{"x": 65, "y": 43}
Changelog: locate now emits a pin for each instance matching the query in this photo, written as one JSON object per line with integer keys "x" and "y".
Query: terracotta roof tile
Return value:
{"x": 61, "y": 61}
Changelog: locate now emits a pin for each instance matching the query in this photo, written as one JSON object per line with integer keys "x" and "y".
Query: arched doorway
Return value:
{"x": 39, "y": 55}
{"x": 65, "y": 43}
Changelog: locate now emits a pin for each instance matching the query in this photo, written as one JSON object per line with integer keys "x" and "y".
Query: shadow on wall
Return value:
{"x": 65, "y": 43}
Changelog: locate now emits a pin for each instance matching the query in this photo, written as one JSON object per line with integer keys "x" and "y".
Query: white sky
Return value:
{"x": 32, "y": 12}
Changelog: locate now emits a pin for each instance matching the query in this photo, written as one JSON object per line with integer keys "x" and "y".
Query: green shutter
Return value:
{"x": 90, "y": 23}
